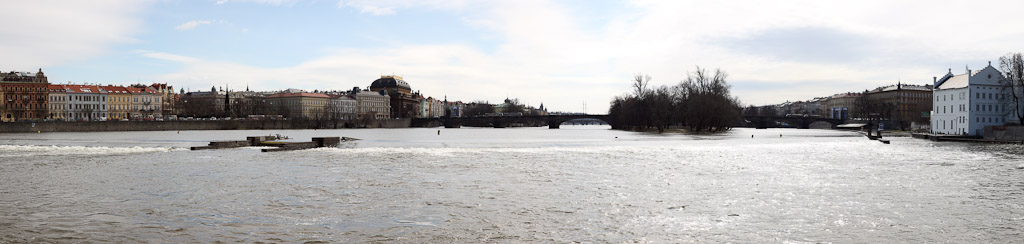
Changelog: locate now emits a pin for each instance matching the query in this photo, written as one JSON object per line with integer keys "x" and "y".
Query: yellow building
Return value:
{"x": 118, "y": 102}
{"x": 299, "y": 105}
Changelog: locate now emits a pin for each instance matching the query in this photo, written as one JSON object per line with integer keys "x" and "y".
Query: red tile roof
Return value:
{"x": 56, "y": 88}
{"x": 116, "y": 89}
{"x": 139, "y": 90}
{"x": 83, "y": 89}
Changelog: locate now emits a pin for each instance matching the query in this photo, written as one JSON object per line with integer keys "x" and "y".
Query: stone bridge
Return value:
{"x": 799, "y": 122}
{"x": 552, "y": 121}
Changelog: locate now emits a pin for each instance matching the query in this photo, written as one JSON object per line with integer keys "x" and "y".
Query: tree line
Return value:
{"x": 701, "y": 102}
{"x": 1012, "y": 66}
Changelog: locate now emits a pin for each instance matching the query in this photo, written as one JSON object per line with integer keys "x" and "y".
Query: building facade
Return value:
{"x": 246, "y": 103}
{"x": 911, "y": 104}
{"x": 343, "y": 107}
{"x": 58, "y": 102}
{"x": 166, "y": 94}
{"x": 372, "y": 105}
{"x": 840, "y": 106}
{"x": 455, "y": 109}
{"x": 118, "y": 102}
{"x": 300, "y": 105}
{"x": 86, "y": 103}
{"x": 404, "y": 103}
{"x": 201, "y": 104}
{"x": 146, "y": 104}
{"x": 964, "y": 104}
{"x": 435, "y": 109}
{"x": 25, "y": 96}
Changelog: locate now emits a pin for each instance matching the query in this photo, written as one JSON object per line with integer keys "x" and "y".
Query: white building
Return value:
{"x": 964, "y": 104}
{"x": 85, "y": 103}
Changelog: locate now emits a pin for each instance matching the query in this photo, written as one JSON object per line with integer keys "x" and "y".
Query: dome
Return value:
{"x": 389, "y": 81}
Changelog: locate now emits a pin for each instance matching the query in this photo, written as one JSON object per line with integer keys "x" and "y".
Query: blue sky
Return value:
{"x": 560, "y": 53}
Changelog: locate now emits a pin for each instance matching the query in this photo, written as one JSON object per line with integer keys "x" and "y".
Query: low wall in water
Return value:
{"x": 53, "y": 126}
{"x": 1005, "y": 133}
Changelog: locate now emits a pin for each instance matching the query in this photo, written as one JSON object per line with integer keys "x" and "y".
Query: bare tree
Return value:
{"x": 1012, "y": 66}
{"x": 660, "y": 104}
{"x": 872, "y": 110}
{"x": 640, "y": 82}
{"x": 702, "y": 102}
{"x": 477, "y": 108}
{"x": 708, "y": 104}
{"x": 513, "y": 106}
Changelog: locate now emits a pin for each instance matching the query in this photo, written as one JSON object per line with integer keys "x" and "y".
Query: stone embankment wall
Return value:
{"x": 1004, "y": 133}
{"x": 32, "y": 127}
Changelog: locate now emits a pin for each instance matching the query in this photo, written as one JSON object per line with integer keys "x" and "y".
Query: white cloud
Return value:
{"x": 167, "y": 56}
{"x": 550, "y": 52}
{"x": 263, "y": 2}
{"x": 48, "y": 33}
{"x": 895, "y": 39}
{"x": 388, "y": 7}
{"x": 367, "y": 9}
{"x": 192, "y": 24}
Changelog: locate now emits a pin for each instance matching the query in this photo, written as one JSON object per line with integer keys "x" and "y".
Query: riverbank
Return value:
{"x": 92, "y": 126}
{"x": 959, "y": 138}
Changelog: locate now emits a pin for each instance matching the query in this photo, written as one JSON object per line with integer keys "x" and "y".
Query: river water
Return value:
{"x": 513, "y": 185}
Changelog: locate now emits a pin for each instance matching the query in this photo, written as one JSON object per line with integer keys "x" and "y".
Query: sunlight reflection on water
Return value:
{"x": 583, "y": 184}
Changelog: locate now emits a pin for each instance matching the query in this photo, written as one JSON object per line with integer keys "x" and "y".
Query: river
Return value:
{"x": 512, "y": 185}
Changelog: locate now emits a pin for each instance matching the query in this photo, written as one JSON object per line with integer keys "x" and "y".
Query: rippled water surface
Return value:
{"x": 576, "y": 184}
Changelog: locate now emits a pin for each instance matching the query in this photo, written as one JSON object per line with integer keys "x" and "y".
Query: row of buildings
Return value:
{"x": 28, "y": 96}
{"x": 960, "y": 104}
{"x": 901, "y": 106}
{"x": 386, "y": 98}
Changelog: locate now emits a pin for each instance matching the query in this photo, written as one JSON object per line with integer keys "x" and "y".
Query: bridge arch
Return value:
{"x": 553, "y": 121}
{"x": 798, "y": 122}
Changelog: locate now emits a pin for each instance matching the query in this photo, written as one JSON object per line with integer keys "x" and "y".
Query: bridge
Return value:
{"x": 552, "y": 121}
{"x": 798, "y": 122}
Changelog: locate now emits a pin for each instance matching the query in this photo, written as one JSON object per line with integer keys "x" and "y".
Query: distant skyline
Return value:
{"x": 560, "y": 53}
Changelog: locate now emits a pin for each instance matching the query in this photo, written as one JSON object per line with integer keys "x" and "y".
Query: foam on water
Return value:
{"x": 30, "y": 150}
{"x": 516, "y": 186}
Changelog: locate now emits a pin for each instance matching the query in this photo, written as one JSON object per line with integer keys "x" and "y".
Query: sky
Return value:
{"x": 569, "y": 55}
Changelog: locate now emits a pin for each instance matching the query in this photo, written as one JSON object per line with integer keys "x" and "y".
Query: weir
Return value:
{"x": 271, "y": 141}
